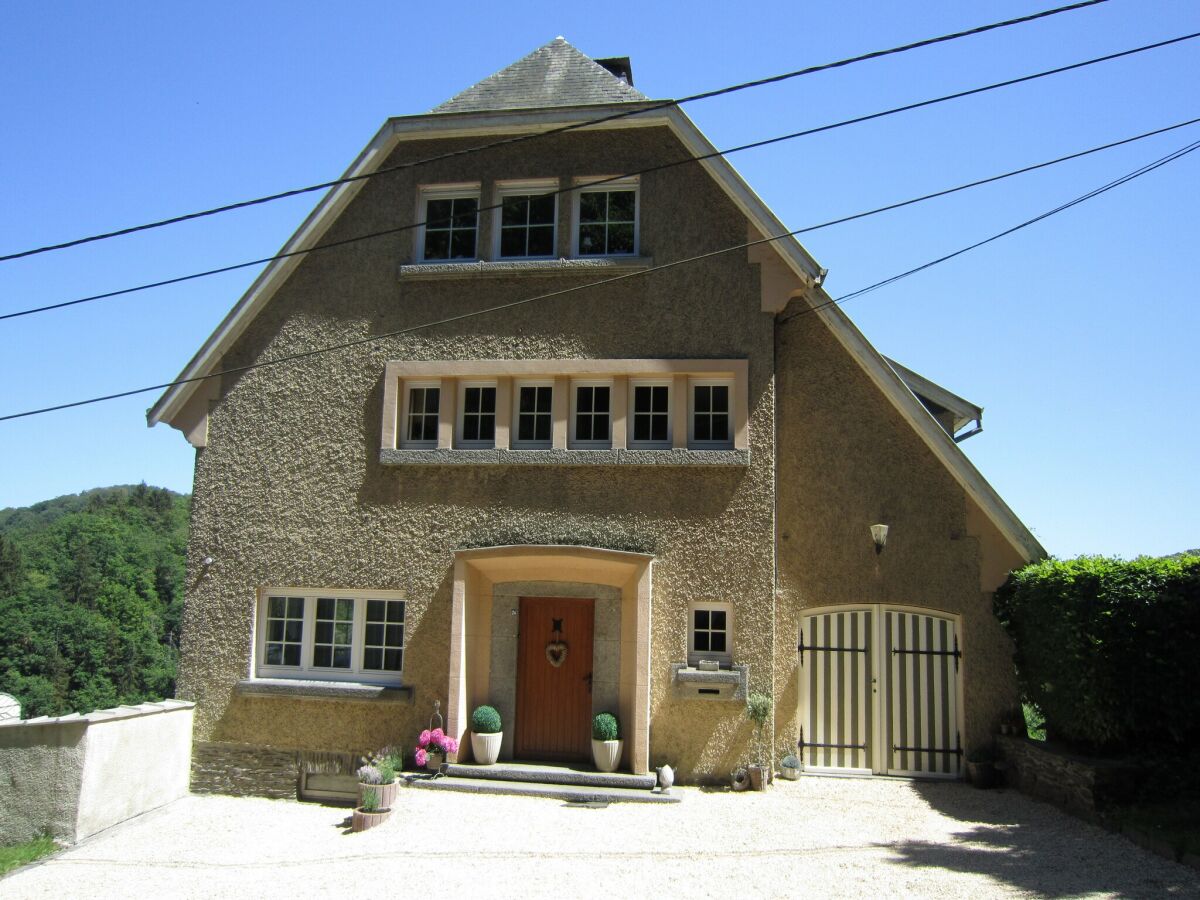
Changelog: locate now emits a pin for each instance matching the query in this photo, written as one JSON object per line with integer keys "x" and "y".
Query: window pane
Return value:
{"x": 274, "y": 655}
{"x": 542, "y": 432}
{"x": 600, "y": 428}
{"x": 462, "y": 245}
{"x": 703, "y": 398}
{"x": 544, "y": 397}
{"x": 720, "y": 428}
{"x": 374, "y": 635}
{"x": 393, "y": 660}
{"x": 718, "y": 642}
{"x": 620, "y": 239}
{"x": 437, "y": 244}
{"x": 702, "y": 618}
{"x": 432, "y": 400}
{"x": 541, "y": 241}
{"x": 471, "y": 396}
{"x": 600, "y": 399}
{"x": 324, "y": 633}
{"x": 641, "y": 428}
{"x": 513, "y": 209}
{"x": 277, "y": 607}
{"x": 471, "y": 428}
{"x": 487, "y": 399}
{"x": 703, "y": 428}
{"x": 660, "y": 398}
{"x": 701, "y": 640}
{"x": 720, "y": 398}
{"x": 291, "y": 654}
{"x": 395, "y": 611}
{"x": 293, "y": 630}
{"x": 487, "y": 428}
{"x": 275, "y": 630}
{"x": 437, "y": 214}
{"x": 525, "y": 428}
{"x": 512, "y": 242}
{"x": 322, "y": 656}
{"x": 658, "y": 428}
{"x": 395, "y": 635}
{"x": 528, "y": 401}
{"x": 641, "y": 399}
{"x": 591, "y": 240}
{"x": 341, "y": 633}
{"x": 583, "y": 428}
{"x": 341, "y": 657}
{"x": 464, "y": 212}
{"x": 372, "y": 658}
{"x": 592, "y": 206}
{"x": 375, "y": 610}
{"x": 541, "y": 210}
{"x": 621, "y": 206}
{"x": 324, "y": 608}
{"x": 718, "y": 619}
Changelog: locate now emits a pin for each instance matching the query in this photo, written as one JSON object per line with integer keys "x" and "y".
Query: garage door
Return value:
{"x": 879, "y": 690}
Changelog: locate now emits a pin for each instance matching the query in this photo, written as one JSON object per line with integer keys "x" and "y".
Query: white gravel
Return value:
{"x": 816, "y": 837}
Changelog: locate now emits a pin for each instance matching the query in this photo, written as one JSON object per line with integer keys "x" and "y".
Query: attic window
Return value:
{"x": 607, "y": 220}
{"x": 450, "y": 229}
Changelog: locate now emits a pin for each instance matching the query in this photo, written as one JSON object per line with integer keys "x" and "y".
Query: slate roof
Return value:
{"x": 553, "y": 75}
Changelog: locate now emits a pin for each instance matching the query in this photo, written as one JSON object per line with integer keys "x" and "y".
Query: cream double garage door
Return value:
{"x": 880, "y": 692}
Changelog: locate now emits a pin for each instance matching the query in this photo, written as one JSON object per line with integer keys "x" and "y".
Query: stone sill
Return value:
{"x": 485, "y": 268}
{"x": 337, "y": 690}
{"x": 449, "y": 457}
{"x": 724, "y": 684}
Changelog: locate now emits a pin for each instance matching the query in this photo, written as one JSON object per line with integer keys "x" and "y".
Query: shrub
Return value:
{"x": 605, "y": 728}
{"x": 387, "y": 772}
{"x": 758, "y": 708}
{"x": 790, "y": 762}
{"x": 1105, "y": 648}
{"x": 370, "y": 801}
{"x": 486, "y": 720}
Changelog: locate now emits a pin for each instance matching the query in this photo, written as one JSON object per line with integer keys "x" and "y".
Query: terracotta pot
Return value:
{"x": 385, "y": 792}
{"x": 486, "y": 747}
{"x": 606, "y": 755}
{"x": 361, "y": 820}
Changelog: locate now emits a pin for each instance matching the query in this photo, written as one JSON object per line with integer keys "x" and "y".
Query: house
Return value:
{"x": 676, "y": 466}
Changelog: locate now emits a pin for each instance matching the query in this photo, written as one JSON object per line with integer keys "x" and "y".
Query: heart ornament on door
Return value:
{"x": 556, "y": 653}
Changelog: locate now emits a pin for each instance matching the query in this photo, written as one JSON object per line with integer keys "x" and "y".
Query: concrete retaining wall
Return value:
{"x": 73, "y": 776}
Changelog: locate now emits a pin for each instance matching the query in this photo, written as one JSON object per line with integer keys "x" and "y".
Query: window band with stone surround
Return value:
{"x": 496, "y": 421}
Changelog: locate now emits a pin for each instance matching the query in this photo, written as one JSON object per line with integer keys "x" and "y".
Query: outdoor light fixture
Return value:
{"x": 879, "y": 536}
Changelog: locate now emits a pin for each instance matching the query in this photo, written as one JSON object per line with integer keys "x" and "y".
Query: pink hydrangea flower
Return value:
{"x": 422, "y": 757}
{"x": 436, "y": 735}
{"x": 451, "y": 745}
{"x": 425, "y": 736}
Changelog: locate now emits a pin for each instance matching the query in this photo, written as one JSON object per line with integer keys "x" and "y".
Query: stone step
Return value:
{"x": 532, "y": 773}
{"x": 567, "y": 793}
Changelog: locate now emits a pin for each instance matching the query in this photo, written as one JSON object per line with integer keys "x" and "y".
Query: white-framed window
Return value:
{"x": 334, "y": 635}
{"x": 710, "y": 632}
{"x": 591, "y": 414}
{"x": 606, "y": 219}
{"x": 419, "y": 419}
{"x": 533, "y": 415}
{"x": 527, "y": 220}
{"x": 476, "y": 414}
{"x": 710, "y": 413}
{"x": 450, "y": 223}
{"x": 649, "y": 413}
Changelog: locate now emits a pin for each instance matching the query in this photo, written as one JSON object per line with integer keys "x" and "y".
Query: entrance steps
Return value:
{"x": 566, "y": 783}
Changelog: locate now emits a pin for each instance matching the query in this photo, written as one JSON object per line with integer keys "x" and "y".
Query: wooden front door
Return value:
{"x": 554, "y": 702}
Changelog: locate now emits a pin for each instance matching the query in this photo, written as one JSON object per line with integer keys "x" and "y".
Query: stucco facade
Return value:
{"x": 293, "y": 491}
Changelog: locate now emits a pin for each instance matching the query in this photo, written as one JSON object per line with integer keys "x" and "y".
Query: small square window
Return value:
{"x": 591, "y": 414}
{"x": 450, "y": 224}
{"x": 710, "y": 421}
{"x": 607, "y": 220}
{"x": 527, "y": 222}
{"x": 477, "y": 415}
{"x": 710, "y": 635}
{"x": 533, "y": 424}
{"x": 650, "y": 414}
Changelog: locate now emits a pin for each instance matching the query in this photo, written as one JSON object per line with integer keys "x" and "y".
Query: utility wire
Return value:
{"x": 691, "y": 159}
{"x": 774, "y": 79}
{"x": 293, "y": 357}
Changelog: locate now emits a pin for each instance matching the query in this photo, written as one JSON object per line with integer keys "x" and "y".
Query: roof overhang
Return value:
{"x": 799, "y": 261}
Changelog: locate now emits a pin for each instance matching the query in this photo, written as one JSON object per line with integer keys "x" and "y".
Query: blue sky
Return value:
{"x": 1077, "y": 335}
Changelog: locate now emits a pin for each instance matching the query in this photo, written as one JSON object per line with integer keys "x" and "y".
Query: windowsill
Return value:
{"x": 490, "y": 268}
{"x": 338, "y": 690}
{"x": 449, "y": 457}
{"x": 724, "y": 684}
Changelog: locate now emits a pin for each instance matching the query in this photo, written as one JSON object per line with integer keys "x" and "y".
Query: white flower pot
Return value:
{"x": 606, "y": 755}
{"x": 486, "y": 747}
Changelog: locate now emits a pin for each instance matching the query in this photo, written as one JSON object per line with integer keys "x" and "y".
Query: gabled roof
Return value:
{"x": 481, "y": 120}
{"x": 552, "y": 75}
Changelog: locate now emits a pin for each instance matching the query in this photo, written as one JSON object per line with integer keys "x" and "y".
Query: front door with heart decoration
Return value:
{"x": 554, "y": 679}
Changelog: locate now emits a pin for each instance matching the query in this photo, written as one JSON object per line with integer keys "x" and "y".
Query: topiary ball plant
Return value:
{"x": 486, "y": 720}
{"x": 605, "y": 728}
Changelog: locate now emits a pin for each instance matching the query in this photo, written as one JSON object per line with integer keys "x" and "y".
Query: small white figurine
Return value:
{"x": 666, "y": 778}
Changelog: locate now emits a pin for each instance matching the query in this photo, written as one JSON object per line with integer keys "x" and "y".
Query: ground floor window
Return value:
{"x": 710, "y": 632}
{"x": 334, "y": 635}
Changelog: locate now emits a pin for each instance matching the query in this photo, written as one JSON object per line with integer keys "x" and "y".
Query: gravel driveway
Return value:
{"x": 815, "y": 837}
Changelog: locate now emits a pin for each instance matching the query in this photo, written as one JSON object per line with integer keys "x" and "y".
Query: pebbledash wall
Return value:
{"x": 72, "y": 776}
{"x": 290, "y": 489}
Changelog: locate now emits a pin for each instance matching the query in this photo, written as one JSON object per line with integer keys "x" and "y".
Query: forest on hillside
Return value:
{"x": 91, "y": 593}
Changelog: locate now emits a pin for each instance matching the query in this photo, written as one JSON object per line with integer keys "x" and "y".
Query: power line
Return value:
{"x": 774, "y": 79}
{"x": 294, "y": 357}
{"x": 691, "y": 159}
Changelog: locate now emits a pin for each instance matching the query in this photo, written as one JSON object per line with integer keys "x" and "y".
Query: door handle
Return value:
{"x": 588, "y": 679}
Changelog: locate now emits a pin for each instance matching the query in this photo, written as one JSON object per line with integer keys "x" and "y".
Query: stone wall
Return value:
{"x": 249, "y": 770}
{"x": 1082, "y": 786}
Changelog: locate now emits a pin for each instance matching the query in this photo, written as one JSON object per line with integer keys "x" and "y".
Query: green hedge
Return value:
{"x": 1108, "y": 649}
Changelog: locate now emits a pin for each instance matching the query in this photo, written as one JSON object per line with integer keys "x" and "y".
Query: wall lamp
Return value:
{"x": 879, "y": 536}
